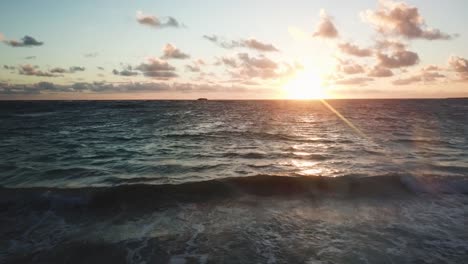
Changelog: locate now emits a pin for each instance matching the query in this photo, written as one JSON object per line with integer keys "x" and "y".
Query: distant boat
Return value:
{"x": 202, "y": 99}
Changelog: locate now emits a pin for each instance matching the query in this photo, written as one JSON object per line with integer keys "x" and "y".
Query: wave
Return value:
{"x": 194, "y": 135}
{"x": 148, "y": 196}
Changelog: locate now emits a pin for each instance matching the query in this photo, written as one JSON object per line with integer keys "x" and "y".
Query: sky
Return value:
{"x": 297, "y": 49}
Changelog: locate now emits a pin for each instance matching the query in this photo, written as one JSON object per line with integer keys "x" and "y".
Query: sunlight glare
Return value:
{"x": 304, "y": 85}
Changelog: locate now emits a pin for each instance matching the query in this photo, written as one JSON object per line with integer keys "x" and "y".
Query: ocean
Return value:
{"x": 341, "y": 181}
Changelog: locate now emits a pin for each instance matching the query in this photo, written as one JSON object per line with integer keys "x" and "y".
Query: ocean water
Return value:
{"x": 346, "y": 181}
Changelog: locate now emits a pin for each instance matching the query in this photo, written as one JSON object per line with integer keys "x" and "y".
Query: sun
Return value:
{"x": 304, "y": 85}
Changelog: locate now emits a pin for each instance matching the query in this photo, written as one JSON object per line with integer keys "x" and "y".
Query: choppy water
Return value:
{"x": 207, "y": 182}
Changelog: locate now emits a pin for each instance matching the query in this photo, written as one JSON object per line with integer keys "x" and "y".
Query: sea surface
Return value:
{"x": 341, "y": 181}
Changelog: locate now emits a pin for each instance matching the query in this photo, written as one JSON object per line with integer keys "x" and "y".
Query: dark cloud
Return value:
{"x": 398, "y": 59}
{"x": 378, "y": 71}
{"x": 74, "y": 69}
{"x": 325, "y": 28}
{"x": 48, "y": 86}
{"x": 7, "y": 67}
{"x": 160, "y": 75}
{"x": 349, "y": 67}
{"x": 251, "y": 43}
{"x": 30, "y": 70}
{"x": 58, "y": 70}
{"x": 17, "y": 89}
{"x": 354, "y": 50}
{"x": 30, "y": 58}
{"x": 401, "y": 19}
{"x": 100, "y": 68}
{"x": 226, "y": 44}
{"x": 26, "y": 41}
{"x": 172, "y": 52}
{"x": 125, "y": 72}
{"x": 212, "y": 38}
{"x": 156, "y": 22}
{"x": 157, "y": 69}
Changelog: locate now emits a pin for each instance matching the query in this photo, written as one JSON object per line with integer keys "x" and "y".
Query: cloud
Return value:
{"x": 124, "y": 72}
{"x": 221, "y": 42}
{"x": 91, "y": 55}
{"x": 394, "y": 54}
{"x": 212, "y": 38}
{"x": 153, "y": 21}
{"x": 200, "y": 62}
{"x": 378, "y": 71}
{"x": 424, "y": 76}
{"x": 6, "y": 67}
{"x": 196, "y": 66}
{"x": 100, "y": 68}
{"x": 432, "y": 68}
{"x": 228, "y": 61}
{"x": 48, "y": 86}
{"x": 460, "y": 66}
{"x": 127, "y": 71}
{"x": 257, "y": 45}
{"x": 403, "y": 20}
{"x": 17, "y": 89}
{"x": 192, "y": 68}
{"x": 349, "y": 67}
{"x": 26, "y": 41}
{"x": 103, "y": 87}
{"x": 407, "y": 81}
{"x": 325, "y": 28}
{"x": 30, "y": 70}
{"x": 247, "y": 67}
{"x": 251, "y": 43}
{"x": 354, "y": 50}
{"x": 354, "y": 81}
{"x": 392, "y": 45}
{"x": 72, "y": 69}
{"x": 172, "y": 52}
{"x": 398, "y": 59}
{"x": 30, "y": 58}
{"x": 158, "y": 69}
{"x": 58, "y": 70}
{"x": 1, "y": 37}
{"x": 259, "y": 62}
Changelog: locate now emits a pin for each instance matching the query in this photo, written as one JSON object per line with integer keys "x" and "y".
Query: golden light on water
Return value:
{"x": 305, "y": 85}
